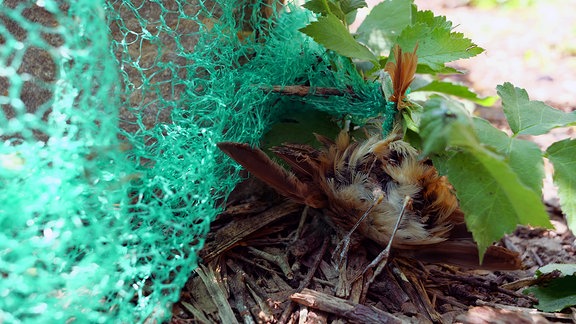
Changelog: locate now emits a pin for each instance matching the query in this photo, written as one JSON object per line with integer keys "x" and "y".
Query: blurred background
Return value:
{"x": 529, "y": 43}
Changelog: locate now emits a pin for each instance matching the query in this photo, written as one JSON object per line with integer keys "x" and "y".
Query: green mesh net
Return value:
{"x": 111, "y": 111}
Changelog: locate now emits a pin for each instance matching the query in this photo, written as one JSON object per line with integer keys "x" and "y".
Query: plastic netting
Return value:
{"x": 111, "y": 111}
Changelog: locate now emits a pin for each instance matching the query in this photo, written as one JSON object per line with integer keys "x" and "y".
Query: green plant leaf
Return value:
{"x": 562, "y": 155}
{"x": 318, "y": 6}
{"x": 555, "y": 295}
{"x": 524, "y": 157}
{"x": 433, "y": 34}
{"x": 425, "y": 69}
{"x": 530, "y": 117}
{"x": 332, "y": 34}
{"x": 384, "y": 23}
{"x": 565, "y": 269}
{"x": 458, "y": 91}
{"x": 298, "y": 124}
{"x": 411, "y": 117}
{"x": 427, "y": 17}
{"x": 445, "y": 123}
{"x": 437, "y": 46}
{"x": 349, "y": 6}
{"x": 350, "y": 9}
{"x": 325, "y": 7}
{"x": 492, "y": 196}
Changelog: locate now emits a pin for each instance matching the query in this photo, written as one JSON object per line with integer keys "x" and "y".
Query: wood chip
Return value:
{"x": 342, "y": 307}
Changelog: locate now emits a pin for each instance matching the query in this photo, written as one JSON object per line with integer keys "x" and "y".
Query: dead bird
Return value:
{"x": 364, "y": 184}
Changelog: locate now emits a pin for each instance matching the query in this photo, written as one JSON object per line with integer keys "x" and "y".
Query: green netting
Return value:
{"x": 111, "y": 111}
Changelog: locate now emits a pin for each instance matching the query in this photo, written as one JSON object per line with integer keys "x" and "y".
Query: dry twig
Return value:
{"x": 345, "y": 308}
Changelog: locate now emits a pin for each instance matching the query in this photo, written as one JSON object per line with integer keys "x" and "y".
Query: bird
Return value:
{"x": 378, "y": 188}
{"x": 370, "y": 179}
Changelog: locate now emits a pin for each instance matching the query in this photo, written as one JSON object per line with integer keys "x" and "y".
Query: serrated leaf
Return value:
{"x": 445, "y": 123}
{"x": 563, "y": 156}
{"x": 317, "y": 6}
{"x": 524, "y": 157}
{"x": 384, "y": 23}
{"x": 325, "y": 7}
{"x": 349, "y": 6}
{"x": 437, "y": 46}
{"x": 458, "y": 91}
{"x": 565, "y": 269}
{"x": 411, "y": 115}
{"x": 427, "y": 17}
{"x": 337, "y": 11}
{"x": 350, "y": 9}
{"x": 332, "y": 34}
{"x": 555, "y": 295}
{"x": 425, "y": 69}
{"x": 492, "y": 196}
{"x": 530, "y": 117}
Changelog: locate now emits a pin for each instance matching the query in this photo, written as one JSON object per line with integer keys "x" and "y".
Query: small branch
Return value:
{"x": 414, "y": 288}
{"x": 450, "y": 300}
{"x": 230, "y": 235}
{"x": 525, "y": 282}
{"x": 241, "y": 297}
{"x": 303, "y": 217}
{"x": 251, "y": 262}
{"x": 345, "y": 308}
{"x": 531, "y": 311}
{"x": 477, "y": 282}
{"x": 283, "y": 286}
{"x": 208, "y": 277}
{"x": 306, "y": 281}
{"x": 265, "y": 314}
{"x": 280, "y": 260}
{"x": 303, "y": 91}
{"x": 262, "y": 310}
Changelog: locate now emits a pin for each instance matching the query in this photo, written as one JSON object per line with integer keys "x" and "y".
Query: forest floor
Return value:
{"x": 254, "y": 268}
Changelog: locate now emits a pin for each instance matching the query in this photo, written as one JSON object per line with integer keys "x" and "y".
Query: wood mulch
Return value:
{"x": 269, "y": 260}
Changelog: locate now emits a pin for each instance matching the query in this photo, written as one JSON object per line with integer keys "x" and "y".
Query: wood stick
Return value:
{"x": 280, "y": 260}
{"x": 306, "y": 281}
{"x": 241, "y": 298}
{"x": 302, "y": 91}
{"x": 414, "y": 288}
{"x": 525, "y": 310}
{"x": 341, "y": 307}
{"x": 264, "y": 312}
{"x": 477, "y": 282}
{"x": 207, "y": 274}
{"x": 228, "y": 236}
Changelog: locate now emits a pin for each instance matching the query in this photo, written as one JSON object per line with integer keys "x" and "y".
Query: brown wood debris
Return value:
{"x": 271, "y": 261}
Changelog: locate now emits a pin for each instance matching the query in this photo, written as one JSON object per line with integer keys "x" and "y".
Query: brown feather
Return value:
{"x": 465, "y": 253}
{"x": 327, "y": 142}
{"x": 303, "y": 159}
{"x": 259, "y": 164}
{"x": 402, "y": 73}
